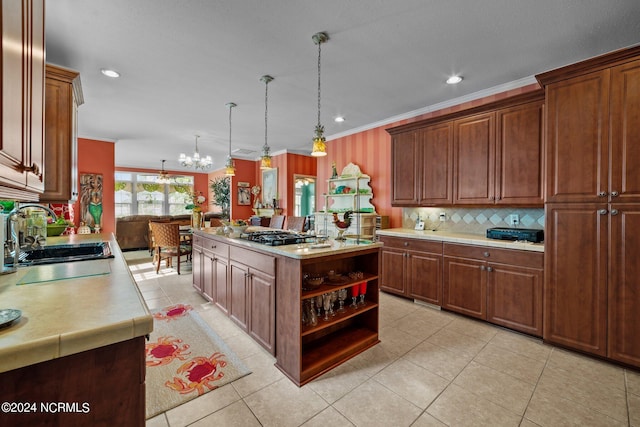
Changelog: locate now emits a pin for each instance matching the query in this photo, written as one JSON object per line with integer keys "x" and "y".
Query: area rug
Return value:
{"x": 185, "y": 359}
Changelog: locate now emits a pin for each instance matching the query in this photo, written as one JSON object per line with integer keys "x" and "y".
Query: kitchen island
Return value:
{"x": 76, "y": 356}
{"x": 261, "y": 289}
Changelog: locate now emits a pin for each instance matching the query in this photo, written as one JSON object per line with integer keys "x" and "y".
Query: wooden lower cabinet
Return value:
{"x": 103, "y": 387}
{"x": 591, "y": 281}
{"x": 501, "y": 286}
{"x": 210, "y": 270}
{"x": 412, "y": 268}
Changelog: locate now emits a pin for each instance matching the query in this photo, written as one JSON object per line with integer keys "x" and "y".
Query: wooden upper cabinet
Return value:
{"x": 519, "y": 154}
{"x": 436, "y": 164}
{"x": 625, "y": 133}
{"x": 491, "y": 154}
{"x": 22, "y": 141}
{"x": 404, "y": 169}
{"x": 63, "y": 96}
{"x": 577, "y": 138}
{"x": 474, "y": 159}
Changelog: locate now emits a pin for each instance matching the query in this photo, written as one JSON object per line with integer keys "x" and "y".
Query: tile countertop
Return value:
{"x": 64, "y": 317}
{"x": 471, "y": 239}
{"x": 297, "y": 250}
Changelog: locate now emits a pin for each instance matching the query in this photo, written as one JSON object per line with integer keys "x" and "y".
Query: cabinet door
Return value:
{"x": 13, "y": 140}
{"x": 197, "y": 267}
{"x": 208, "y": 266}
{"x": 474, "y": 158}
{"x": 239, "y": 274}
{"x": 262, "y": 312}
{"x": 437, "y": 165}
{"x": 514, "y": 297}
{"x": 393, "y": 271}
{"x": 625, "y": 131}
{"x": 220, "y": 286}
{"x": 465, "y": 286}
{"x": 405, "y": 172}
{"x": 624, "y": 288}
{"x": 424, "y": 276}
{"x": 519, "y": 156}
{"x": 577, "y": 138}
{"x": 575, "y": 285}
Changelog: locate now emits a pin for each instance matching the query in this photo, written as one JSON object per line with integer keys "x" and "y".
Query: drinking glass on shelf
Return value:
{"x": 334, "y": 297}
{"x": 305, "y": 313}
{"x": 363, "y": 292}
{"x": 342, "y": 295}
{"x": 319, "y": 305}
{"x": 313, "y": 319}
{"x": 354, "y": 295}
{"x": 326, "y": 298}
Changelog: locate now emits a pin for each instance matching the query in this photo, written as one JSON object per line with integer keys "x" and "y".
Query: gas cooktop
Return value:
{"x": 277, "y": 237}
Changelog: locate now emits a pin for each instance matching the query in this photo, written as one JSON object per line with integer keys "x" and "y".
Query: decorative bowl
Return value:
{"x": 55, "y": 229}
{"x": 312, "y": 282}
{"x": 238, "y": 229}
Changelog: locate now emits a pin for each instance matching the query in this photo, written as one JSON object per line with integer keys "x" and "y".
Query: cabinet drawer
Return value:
{"x": 255, "y": 260}
{"x": 412, "y": 244}
{"x": 210, "y": 245}
{"x": 489, "y": 254}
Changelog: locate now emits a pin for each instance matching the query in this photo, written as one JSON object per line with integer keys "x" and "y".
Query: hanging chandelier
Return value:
{"x": 195, "y": 161}
{"x": 265, "y": 160}
{"x": 319, "y": 145}
{"x": 229, "y": 167}
{"x": 163, "y": 176}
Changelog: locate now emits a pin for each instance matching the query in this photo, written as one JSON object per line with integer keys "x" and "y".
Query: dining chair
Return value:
{"x": 151, "y": 240}
{"x": 296, "y": 223}
{"x": 167, "y": 243}
{"x": 277, "y": 221}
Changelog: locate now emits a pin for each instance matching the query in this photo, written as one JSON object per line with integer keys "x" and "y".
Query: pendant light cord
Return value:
{"x": 319, "y": 53}
{"x": 266, "y": 106}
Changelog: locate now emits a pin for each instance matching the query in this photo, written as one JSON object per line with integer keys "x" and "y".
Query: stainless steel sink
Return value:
{"x": 65, "y": 253}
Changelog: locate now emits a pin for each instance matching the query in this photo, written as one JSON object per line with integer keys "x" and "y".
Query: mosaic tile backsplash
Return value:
{"x": 474, "y": 220}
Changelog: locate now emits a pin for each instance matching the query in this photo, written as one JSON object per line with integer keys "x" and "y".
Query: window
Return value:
{"x": 139, "y": 194}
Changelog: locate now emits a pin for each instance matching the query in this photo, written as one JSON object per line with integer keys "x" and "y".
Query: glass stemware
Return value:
{"x": 326, "y": 298}
{"x": 312, "y": 319}
{"x": 342, "y": 295}
{"x": 334, "y": 297}
{"x": 319, "y": 305}
{"x": 363, "y": 292}
{"x": 354, "y": 296}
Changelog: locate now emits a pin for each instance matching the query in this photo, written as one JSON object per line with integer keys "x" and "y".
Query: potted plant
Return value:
{"x": 220, "y": 187}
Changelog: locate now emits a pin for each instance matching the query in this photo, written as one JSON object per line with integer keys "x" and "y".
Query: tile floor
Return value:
{"x": 432, "y": 368}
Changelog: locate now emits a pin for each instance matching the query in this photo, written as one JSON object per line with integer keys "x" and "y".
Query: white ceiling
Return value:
{"x": 181, "y": 61}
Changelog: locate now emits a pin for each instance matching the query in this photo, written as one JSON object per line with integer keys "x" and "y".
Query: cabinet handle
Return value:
{"x": 34, "y": 169}
{"x": 614, "y": 211}
{"x": 614, "y": 194}
{"x": 483, "y": 268}
{"x": 213, "y": 246}
{"x": 406, "y": 243}
{"x": 602, "y": 211}
{"x": 489, "y": 269}
{"x": 602, "y": 194}
{"x": 486, "y": 254}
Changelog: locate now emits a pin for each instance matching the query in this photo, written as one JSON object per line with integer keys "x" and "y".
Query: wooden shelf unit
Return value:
{"x": 304, "y": 352}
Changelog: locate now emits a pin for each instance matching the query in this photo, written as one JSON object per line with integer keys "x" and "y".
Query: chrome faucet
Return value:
{"x": 12, "y": 219}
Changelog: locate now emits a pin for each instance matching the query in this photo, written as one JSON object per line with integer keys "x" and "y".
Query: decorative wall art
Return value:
{"x": 91, "y": 200}
{"x": 269, "y": 186}
{"x": 244, "y": 193}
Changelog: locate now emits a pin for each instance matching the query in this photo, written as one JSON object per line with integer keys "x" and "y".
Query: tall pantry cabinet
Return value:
{"x": 592, "y": 277}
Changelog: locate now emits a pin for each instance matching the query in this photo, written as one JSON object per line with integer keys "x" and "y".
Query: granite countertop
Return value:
{"x": 297, "y": 251}
{"x": 68, "y": 316}
{"x": 451, "y": 237}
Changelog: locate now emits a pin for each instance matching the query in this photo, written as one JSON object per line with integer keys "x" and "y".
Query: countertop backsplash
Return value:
{"x": 472, "y": 220}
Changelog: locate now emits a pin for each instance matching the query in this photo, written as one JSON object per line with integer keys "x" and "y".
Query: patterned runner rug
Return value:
{"x": 185, "y": 359}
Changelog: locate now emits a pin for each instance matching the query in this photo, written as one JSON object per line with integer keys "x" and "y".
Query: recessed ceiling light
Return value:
{"x": 339, "y": 119}
{"x": 110, "y": 73}
{"x": 454, "y": 80}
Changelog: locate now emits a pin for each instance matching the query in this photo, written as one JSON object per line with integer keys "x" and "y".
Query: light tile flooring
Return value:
{"x": 432, "y": 368}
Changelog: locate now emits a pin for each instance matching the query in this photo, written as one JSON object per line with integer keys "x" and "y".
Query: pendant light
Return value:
{"x": 229, "y": 168}
{"x": 163, "y": 176}
{"x": 195, "y": 161}
{"x": 319, "y": 145}
{"x": 265, "y": 160}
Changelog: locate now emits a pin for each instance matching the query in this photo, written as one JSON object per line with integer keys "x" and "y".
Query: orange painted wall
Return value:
{"x": 99, "y": 157}
{"x": 371, "y": 150}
